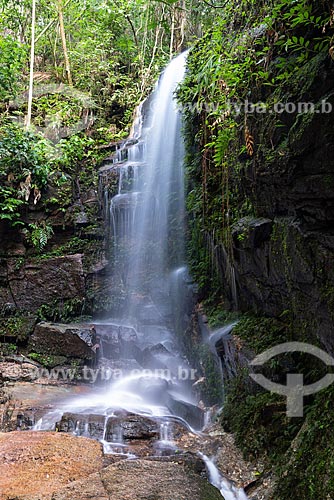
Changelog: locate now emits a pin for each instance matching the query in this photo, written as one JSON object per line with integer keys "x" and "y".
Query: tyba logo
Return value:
{"x": 294, "y": 390}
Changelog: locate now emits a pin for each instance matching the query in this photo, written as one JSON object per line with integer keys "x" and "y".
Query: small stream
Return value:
{"x": 139, "y": 345}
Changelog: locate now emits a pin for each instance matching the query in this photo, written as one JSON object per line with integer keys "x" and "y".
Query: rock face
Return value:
{"x": 40, "y": 282}
{"x": 287, "y": 267}
{"x": 284, "y": 259}
{"x": 69, "y": 341}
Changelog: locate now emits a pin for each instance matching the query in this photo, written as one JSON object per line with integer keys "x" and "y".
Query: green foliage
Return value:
{"x": 262, "y": 333}
{"x": 23, "y": 167}
{"x": 10, "y": 205}
{"x": 75, "y": 151}
{"x": 48, "y": 361}
{"x": 212, "y": 389}
{"x": 258, "y": 421}
{"x": 22, "y": 152}
{"x": 61, "y": 310}
{"x": 12, "y": 55}
{"x": 39, "y": 234}
{"x": 18, "y": 325}
{"x": 7, "y": 349}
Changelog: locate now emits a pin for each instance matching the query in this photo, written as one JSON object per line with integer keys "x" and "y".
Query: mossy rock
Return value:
{"x": 48, "y": 361}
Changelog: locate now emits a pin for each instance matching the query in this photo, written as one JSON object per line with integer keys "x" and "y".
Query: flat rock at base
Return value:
{"x": 155, "y": 480}
{"x": 141, "y": 480}
{"x": 90, "y": 488}
{"x": 33, "y": 465}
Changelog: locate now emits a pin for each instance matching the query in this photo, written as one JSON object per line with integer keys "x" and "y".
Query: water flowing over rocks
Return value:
{"x": 149, "y": 419}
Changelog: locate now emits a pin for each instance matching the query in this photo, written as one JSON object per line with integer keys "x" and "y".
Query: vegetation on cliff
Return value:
{"x": 259, "y": 84}
{"x": 260, "y": 183}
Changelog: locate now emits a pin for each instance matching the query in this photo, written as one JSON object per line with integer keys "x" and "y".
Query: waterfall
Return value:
{"x": 145, "y": 218}
{"x": 147, "y": 213}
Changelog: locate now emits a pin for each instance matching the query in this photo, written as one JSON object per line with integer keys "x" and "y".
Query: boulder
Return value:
{"x": 55, "y": 339}
{"x": 133, "y": 427}
{"x": 83, "y": 425}
{"x": 158, "y": 480}
{"x": 189, "y": 412}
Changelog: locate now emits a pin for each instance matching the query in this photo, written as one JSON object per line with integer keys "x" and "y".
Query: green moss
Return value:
{"x": 18, "y": 326}
{"x": 261, "y": 333}
{"x": 258, "y": 421}
{"x": 47, "y": 361}
{"x": 308, "y": 467}
{"x": 327, "y": 295}
{"x": 212, "y": 388}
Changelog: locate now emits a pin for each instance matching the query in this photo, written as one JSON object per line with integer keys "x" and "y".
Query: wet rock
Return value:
{"x": 190, "y": 413}
{"x": 23, "y": 403}
{"x": 82, "y": 425}
{"x": 63, "y": 340}
{"x": 158, "y": 349}
{"x": 132, "y": 427}
{"x": 255, "y": 231}
{"x": 143, "y": 357}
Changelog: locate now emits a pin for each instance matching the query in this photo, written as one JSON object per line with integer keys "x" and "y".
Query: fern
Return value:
{"x": 39, "y": 235}
{"x": 221, "y": 144}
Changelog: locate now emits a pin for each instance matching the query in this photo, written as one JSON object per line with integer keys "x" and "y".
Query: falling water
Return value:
{"x": 146, "y": 228}
{"x": 147, "y": 213}
{"x": 227, "y": 489}
{"x": 146, "y": 217}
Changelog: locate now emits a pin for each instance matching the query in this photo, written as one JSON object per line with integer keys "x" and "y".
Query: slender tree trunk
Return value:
{"x": 171, "y": 44}
{"x": 63, "y": 39}
{"x": 49, "y": 25}
{"x": 32, "y": 57}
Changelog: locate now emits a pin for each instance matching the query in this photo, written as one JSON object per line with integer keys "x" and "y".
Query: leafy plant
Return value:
{"x": 39, "y": 234}
{"x": 11, "y": 63}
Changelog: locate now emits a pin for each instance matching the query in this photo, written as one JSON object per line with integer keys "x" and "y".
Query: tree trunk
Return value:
{"x": 32, "y": 57}
{"x": 63, "y": 39}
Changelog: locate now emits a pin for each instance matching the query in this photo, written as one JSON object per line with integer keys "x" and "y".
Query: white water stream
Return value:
{"x": 146, "y": 226}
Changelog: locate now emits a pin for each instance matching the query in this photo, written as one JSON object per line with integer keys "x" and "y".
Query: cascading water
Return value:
{"x": 148, "y": 373}
{"x": 146, "y": 218}
{"x": 228, "y": 490}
